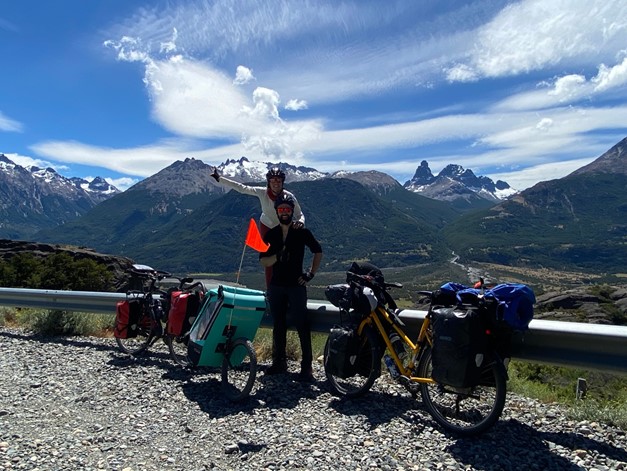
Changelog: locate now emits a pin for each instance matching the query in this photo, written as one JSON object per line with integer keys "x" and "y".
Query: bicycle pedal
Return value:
{"x": 408, "y": 384}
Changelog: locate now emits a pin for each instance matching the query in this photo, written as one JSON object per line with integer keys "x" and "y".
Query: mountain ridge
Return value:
{"x": 32, "y": 198}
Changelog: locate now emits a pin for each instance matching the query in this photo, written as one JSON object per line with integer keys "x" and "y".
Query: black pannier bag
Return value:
{"x": 459, "y": 346}
{"x": 341, "y": 358}
{"x": 347, "y": 356}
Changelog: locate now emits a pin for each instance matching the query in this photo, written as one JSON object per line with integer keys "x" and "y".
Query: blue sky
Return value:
{"x": 522, "y": 91}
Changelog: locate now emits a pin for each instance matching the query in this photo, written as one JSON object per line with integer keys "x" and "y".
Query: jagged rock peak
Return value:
{"x": 423, "y": 175}
{"x": 454, "y": 181}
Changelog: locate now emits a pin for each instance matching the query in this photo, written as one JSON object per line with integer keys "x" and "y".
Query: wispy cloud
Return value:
{"x": 8, "y": 26}
{"x": 9, "y": 125}
{"x": 27, "y": 162}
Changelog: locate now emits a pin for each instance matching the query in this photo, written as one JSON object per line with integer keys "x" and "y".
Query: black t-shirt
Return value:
{"x": 287, "y": 271}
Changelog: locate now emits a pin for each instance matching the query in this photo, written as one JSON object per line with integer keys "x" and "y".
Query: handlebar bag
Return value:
{"x": 365, "y": 269}
{"x": 361, "y": 299}
{"x": 127, "y": 314}
{"x": 340, "y": 295}
{"x": 184, "y": 307}
{"x": 459, "y": 345}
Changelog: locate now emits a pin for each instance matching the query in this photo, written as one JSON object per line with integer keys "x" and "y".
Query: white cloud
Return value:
{"x": 123, "y": 183}
{"x": 190, "y": 98}
{"x": 296, "y": 105}
{"x": 10, "y": 125}
{"x": 534, "y": 34}
{"x": 139, "y": 161}
{"x": 243, "y": 75}
{"x": 26, "y": 161}
{"x": 610, "y": 77}
{"x": 461, "y": 73}
{"x": 527, "y": 177}
{"x": 168, "y": 47}
{"x": 128, "y": 49}
{"x": 266, "y": 104}
{"x": 568, "y": 87}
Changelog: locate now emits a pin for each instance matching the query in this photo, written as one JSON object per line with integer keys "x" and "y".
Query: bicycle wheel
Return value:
{"x": 368, "y": 368}
{"x": 239, "y": 369}
{"x": 146, "y": 332}
{"x": 464, "y": 411}
{"x": 178, "y": 349}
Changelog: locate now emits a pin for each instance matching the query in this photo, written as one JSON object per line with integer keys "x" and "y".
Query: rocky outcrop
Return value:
{"x": 599, "y": 304}
{"x": 115, "y": 264}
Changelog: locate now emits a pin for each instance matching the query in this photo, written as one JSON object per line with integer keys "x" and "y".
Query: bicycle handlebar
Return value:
{"x": 369, "y": 279}
{"x": 152, "y": 274}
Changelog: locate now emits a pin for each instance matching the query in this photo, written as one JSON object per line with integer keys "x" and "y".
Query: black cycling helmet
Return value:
{"x": 275, "y": 172}
{"x": 284, "y": 198}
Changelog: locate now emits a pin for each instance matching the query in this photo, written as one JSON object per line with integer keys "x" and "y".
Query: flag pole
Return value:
{"x": 240, "y": 264}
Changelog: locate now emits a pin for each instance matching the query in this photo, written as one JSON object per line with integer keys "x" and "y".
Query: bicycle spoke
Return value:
{"x": 239, "y": 370}
{"x": 464, "y": 411}
{"x": 367, "y": 367}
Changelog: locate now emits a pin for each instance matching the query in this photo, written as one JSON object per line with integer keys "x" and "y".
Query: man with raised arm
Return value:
{"x": 287, "y": 291}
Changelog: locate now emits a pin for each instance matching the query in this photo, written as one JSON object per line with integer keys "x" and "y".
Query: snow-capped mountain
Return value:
{"x": 455, "y": 182}
{"x": 452, "y": 183}
{"x": 246, "y": 171}
{"x": 32, "y": 198}
{"x": 98, "y": 187}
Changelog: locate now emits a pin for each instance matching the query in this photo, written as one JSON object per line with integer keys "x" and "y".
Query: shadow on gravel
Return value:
{"x": 381, "y": 408}
{"x": 511, "y": 444}
{"x": 61, "y": 340}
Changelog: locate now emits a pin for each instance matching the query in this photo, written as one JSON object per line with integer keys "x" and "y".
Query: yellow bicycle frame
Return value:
{"x": 413, "y": 349}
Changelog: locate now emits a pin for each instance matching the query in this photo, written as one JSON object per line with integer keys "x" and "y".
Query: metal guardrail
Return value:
{"x": 591, "y": 346}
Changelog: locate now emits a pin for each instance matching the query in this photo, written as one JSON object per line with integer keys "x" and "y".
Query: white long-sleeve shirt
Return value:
{"x": 268, "y": 213}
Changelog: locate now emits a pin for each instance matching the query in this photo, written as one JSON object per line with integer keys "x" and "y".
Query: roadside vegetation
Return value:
{"x": 57, "y": 271}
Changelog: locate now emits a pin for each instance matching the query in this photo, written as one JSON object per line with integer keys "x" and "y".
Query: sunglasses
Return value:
{"x": 284, "y": 210}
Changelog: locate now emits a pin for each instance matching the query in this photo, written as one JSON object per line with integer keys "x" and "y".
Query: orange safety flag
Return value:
{"x": 253, "y": 238}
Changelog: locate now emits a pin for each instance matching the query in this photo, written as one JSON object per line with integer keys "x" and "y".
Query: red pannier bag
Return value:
{"x": 127, "y": 314}
{"x": 184, "y": 307}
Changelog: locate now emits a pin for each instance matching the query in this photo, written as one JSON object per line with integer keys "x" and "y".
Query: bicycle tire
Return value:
{"x": 178, "y": 349}
{"x": 138, "y": 345}
{"x": 368, "y": 371}
{"x": 239, "y": 370}
{"x": 464, "y": 411}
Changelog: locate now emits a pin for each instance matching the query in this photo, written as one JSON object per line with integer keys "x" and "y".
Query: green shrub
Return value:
{"x": 57, "y": 271}
{"x": 592, "y": 410}
{"x": 57, "y": 322}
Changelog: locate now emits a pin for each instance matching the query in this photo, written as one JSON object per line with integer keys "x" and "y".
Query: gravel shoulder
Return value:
{"x": 78, "y": 404}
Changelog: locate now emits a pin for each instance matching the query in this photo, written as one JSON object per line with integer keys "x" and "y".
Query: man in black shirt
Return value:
{"x": 287, "y": 292}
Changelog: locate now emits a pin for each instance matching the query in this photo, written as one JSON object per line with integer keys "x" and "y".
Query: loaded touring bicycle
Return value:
{"x": 202, "y": 328}
{"x": 456, "y": 363}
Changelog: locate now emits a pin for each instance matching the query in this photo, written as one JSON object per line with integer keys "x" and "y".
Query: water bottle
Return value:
{"x": 397, "y": 343}
{"x": 391, "y": 366}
